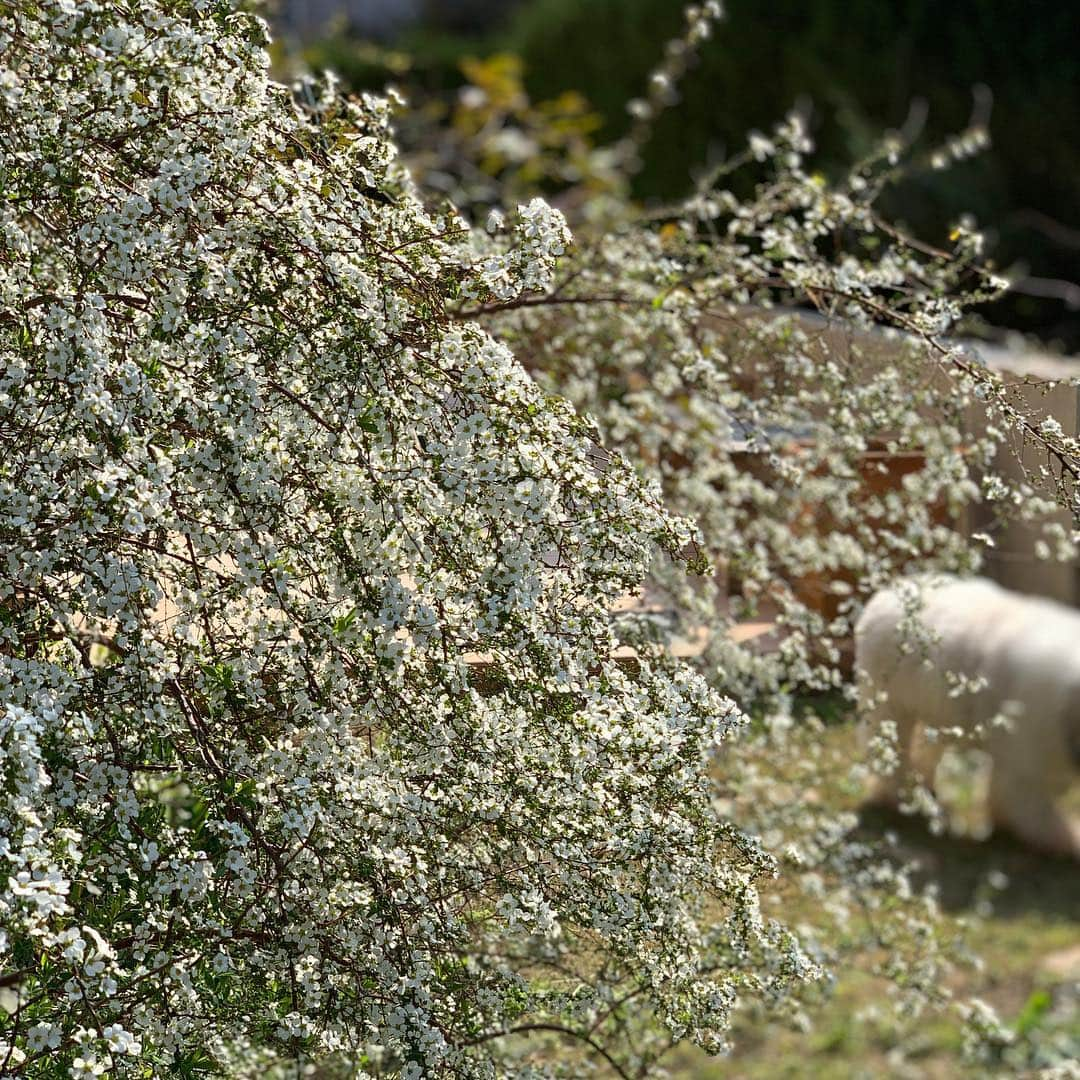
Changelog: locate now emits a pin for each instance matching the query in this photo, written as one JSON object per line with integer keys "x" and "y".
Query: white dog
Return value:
{"x": 942, "y": 654}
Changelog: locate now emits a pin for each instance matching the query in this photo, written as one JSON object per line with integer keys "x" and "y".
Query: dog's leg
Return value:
{"x": 1022, "y": 802}
{"x": 890, "y": 787}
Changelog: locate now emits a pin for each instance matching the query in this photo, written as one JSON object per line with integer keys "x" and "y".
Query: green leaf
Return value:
{"x": 1030, "y": 1016}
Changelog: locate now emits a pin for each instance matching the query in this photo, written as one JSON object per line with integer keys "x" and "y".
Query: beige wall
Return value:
{"x": 1013, "y": 563}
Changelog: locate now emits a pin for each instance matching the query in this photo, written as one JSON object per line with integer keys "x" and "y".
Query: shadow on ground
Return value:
{"x": 960, "y": 866}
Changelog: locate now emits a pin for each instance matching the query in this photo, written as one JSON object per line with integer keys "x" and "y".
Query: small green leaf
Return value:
{"x": 1032, "y": 1013}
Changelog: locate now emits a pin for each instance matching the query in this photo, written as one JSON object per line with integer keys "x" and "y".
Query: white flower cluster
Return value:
{"x": 540, "y": 237}
{"x": 261, "y": 498}
{"x": 662, "y": 87}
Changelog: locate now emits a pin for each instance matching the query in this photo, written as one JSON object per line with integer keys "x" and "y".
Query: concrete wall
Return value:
{"x": 1013, "y": 563}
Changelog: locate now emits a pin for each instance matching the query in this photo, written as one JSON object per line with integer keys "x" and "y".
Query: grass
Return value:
{"x": 1025, "y": 926}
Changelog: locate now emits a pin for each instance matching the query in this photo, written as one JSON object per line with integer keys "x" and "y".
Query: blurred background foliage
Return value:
{"x": 563, "y": 71}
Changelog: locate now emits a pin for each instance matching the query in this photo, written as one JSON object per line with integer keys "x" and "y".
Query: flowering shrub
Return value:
{"x": 266, "y": 486}
{"x": 777, "y": 362}
{"x": 260, "y": 496}
{"x": 821, "y": 454}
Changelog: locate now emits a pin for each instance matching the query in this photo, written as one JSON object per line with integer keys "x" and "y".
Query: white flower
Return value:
{"x": 121, "y": 1041}
{"x": 42, "y": 1037}
{"x": 87, "y": 1066}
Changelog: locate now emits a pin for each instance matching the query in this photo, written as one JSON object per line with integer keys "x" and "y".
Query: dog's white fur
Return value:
{"x": 1027, "y": 652}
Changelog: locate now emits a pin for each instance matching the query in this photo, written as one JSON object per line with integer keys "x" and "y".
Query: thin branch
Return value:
{"x": 557, "y": 1029}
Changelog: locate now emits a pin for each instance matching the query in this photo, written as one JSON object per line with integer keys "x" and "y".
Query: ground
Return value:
{"x": 1025, "y": 926}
